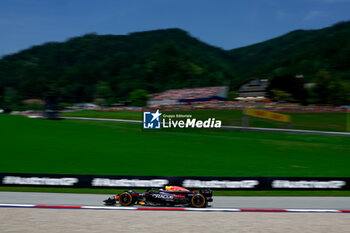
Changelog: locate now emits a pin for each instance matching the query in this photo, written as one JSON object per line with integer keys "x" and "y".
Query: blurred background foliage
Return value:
{"x": 105, "y": 69}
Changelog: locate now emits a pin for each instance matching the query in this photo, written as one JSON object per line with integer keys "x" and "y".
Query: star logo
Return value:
{"x": 156, "y": 115}
{"x": 151, "y": 120}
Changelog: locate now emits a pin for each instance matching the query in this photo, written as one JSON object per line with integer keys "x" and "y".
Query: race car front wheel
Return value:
{"x": 198, "y": 201}
{"x": 125, "y": 199}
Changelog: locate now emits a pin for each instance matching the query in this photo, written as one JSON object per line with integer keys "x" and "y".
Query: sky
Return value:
{"x": 226, "y": 24}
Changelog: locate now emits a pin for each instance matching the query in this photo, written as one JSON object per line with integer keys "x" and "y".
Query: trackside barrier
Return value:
{"x": 190, "y": 182}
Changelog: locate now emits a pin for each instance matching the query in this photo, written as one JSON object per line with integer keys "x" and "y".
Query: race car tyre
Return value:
{"x": 125, "y": 199}
{"x": 198, "y": 201}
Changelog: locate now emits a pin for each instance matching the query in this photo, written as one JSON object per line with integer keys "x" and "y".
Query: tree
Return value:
{"x": 138, "y": 97}
{"x": 339, "y": 92}
{"x": 103, "y": 94}
{"x": 279, "y": 95}
{"x": 232, "y": 95}
{"x": 289, "y": 84}
{"x": 10, "y": 99}
{"x": 323, "y": 80}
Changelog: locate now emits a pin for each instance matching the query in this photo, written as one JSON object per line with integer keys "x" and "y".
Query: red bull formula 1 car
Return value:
{"x": 169, "y": 196}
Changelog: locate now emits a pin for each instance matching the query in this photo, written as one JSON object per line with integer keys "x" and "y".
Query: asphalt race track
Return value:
{"x": 219, "y": 202}
{"x": 52, "y": 220}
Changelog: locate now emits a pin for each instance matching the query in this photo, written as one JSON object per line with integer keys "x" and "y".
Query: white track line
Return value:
{"x": 108, "y": 208}
{"x": 297, "y": 131}
{"x": 171, "y": 209}
{"x": 312, "y": 210}
{"x": 15, "y": 205}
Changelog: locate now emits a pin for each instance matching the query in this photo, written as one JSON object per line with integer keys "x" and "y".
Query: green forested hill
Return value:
{"x": 304, "y": 52}
{"x": 83, "y": 66}
{"x": 111, "y": 66}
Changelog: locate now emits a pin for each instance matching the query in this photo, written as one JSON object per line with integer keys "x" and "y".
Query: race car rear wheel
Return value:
{"x": 125, "y": 199}
{"x": 198, "y": 201}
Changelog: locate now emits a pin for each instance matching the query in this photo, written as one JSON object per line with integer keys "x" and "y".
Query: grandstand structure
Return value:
{"x": 188, "y": 95}
{"x": 253, "y": 89}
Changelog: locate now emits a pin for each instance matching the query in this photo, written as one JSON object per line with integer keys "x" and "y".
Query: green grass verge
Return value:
{"x": 109, "y": 148}
{"x": 306, "y": 121}
{"x": 215, "y": 192}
